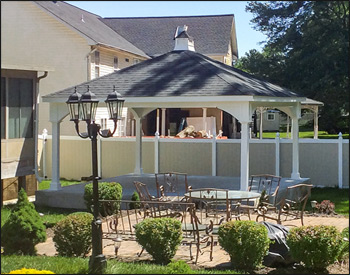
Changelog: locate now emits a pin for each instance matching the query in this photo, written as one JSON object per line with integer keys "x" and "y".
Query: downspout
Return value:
{"x": 88, "y": 75}
{"x": 39, "y": 179}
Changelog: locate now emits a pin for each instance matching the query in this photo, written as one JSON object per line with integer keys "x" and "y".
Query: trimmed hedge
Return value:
{"x": 106, "y": 191}
{"x": 246, "y": 242}
{"x": 160, "y": 237}
{"x": 23, "y": 229}
{"x": 135, "y": 198}
{"x": 315, "y": 246}
{"x": 73, "y": 235}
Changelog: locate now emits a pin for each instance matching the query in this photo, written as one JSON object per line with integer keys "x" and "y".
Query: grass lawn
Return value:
{"x": 45, "y": 184}
{"x": 340, "y": 198}
{"x": 50, "y": 218}
{"x": 305, "y": 134}
{"x": 65, "y": 265}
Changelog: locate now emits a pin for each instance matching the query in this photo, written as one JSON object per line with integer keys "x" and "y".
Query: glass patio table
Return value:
{"x": 221, "y": 195}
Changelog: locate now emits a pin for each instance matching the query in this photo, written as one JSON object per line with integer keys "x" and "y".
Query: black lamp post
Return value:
{"x": 83, "y": 107}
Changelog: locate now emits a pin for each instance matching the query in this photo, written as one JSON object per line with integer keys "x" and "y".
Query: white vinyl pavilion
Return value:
{"x": 183, "y": 79}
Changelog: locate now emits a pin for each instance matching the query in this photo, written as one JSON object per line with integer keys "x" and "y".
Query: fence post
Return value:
{"x": 44, "y": 152}
{"x": 156, "y": 152}
{"x": 277, "y": 156}
{"x": 340, "y": 160}
{"x": 213, "y": 153}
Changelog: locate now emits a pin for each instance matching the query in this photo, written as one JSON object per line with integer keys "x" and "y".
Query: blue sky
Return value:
{"x": 247, "y": 37}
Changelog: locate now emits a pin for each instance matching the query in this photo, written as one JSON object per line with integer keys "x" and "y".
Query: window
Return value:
{"x": 135, "y": 60}
{"x": 115, "y": 64}
{"x": 97, "y": 72}
{"x": 270, "y": 116}
{"x": 17, "y": 96}
{"x": 97, "y": 58}
{"x": 103, "y": 123}
{"x": 97, "y": 64}
{"x": 126, "y": 59}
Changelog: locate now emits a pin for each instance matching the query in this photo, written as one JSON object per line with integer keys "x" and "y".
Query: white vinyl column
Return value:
{"x": 295, "y": 137}
{"x": 163, "y": 122}
{"x": 157, "y": 121}
{"x": 139, "y": 113}
{"x": 244, "y": 155}
{"x": 138, "y": 147}
{"x": 204, "y": 119}
{"x": 294, "y": 112}
{"x": 57, "y": 112}
{"x": 295, "y": 154}
{"x": 55, "y": 182}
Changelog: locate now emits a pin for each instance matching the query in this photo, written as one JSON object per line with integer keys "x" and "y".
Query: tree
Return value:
{"x": 306, "y": 51}
{"x": 23, "y": 229}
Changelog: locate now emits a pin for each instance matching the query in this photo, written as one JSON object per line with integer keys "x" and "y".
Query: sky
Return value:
{"x": 247, "y": 37}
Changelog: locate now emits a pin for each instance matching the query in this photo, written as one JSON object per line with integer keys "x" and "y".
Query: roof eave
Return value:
{"x": 123, "y": 50}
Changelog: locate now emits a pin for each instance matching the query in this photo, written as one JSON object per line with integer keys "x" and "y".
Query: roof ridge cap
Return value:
{"x": 171, "y": 16}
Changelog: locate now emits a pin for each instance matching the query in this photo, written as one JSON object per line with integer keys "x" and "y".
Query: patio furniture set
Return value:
{"x": 200, "y": 211}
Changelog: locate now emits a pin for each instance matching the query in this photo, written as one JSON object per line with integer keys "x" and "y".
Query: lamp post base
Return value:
{"x": 97, "y": 264}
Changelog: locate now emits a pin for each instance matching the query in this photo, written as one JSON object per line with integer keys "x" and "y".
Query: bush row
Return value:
{"x": 246, "y": 242}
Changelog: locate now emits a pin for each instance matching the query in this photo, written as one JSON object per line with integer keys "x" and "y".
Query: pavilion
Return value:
{"x": 183, "y": 78}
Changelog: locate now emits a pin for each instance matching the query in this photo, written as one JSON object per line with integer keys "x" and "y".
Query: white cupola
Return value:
{"x": 183, "y": 41}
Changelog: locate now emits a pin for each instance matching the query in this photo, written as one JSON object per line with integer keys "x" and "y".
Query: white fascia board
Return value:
{"x": 184, "y": 101}
{"x": 277, "y": 99}
{"x": 155, "y": 101}
{"x": 122, "y": 50}
{"x": 24, "y": 67}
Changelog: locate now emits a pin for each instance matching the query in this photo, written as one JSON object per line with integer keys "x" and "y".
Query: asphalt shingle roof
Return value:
{"x": 179, "y": 73}
{"x": 89, "y": 24}
{"x": 154, "y": 35}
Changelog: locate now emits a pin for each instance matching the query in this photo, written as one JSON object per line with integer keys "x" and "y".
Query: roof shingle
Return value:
{"x": 211, "y": 34}
{"x": 179, "y": 73}
{"x": 89, "y": 24}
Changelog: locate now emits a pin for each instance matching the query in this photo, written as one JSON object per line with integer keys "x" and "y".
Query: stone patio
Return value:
{"x": 129, "y": 249}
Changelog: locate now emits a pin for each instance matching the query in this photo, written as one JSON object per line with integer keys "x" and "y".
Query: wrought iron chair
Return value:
{"x": 196, "y": 234}
{"x": 266, "y": 184}
{"x": 292, "y": 204}
{"x": 143, "y": 192}
{"x": 171, "y": 185}
{"x": 214, "y": 208}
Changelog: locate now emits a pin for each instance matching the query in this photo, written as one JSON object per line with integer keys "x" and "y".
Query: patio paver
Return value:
{"x": 129, "y": 249}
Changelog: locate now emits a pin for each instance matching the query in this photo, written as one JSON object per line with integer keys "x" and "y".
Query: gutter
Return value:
{"x": 37, "y": 127}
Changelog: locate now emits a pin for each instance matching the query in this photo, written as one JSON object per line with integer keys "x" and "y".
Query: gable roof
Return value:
{"x": 89, "y": 25}
{"x": 154, "y": 35}
{"x": 178, "y": 73}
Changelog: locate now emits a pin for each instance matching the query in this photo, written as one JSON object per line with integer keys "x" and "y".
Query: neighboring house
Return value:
{"x": 47, "y": 46}
{"x": 65, "y": 45}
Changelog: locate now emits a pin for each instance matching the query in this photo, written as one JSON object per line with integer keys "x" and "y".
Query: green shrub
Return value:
{"x": 316, "y": 246}
{"x": 160, "y": 237}
{"x": 73, "y": 235}
{"x": 135, "y": 198}
{"x": 179, "y": 267}
{"x": 246, "y": 242}
{"x": 106, "y": 191}
{"x": 23, "y": 229}
{"x": 344, "y": 249}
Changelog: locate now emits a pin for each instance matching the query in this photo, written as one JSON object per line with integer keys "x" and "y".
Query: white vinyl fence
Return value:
{"x": 325, "y": 162}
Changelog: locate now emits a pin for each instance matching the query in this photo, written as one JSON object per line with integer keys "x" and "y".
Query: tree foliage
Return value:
{"x": 306, "y": 51}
